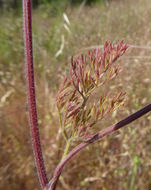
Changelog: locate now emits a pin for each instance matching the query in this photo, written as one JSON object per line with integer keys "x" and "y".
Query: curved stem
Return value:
{"x": 31, "y": 94}
{"x": 94, "y": 138}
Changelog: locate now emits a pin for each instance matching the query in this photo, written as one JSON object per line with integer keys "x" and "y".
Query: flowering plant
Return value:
{"x": 77, "y": 115}
{"x": 88, "y": 73}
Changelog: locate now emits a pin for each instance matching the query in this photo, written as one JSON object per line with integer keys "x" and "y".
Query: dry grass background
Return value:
{"x": 121, "y": 161}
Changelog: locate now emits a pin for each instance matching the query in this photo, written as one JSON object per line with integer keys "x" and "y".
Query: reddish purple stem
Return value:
{"x": 94, "y": 138}
{"x": 31, "y": 94}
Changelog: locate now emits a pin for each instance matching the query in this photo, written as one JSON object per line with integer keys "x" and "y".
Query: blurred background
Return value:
{"x": 62, "y": 28}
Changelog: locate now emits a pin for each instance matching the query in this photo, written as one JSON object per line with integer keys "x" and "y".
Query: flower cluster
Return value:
{"x": 87, "y": 73}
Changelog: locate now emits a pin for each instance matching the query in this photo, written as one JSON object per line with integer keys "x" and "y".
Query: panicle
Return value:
{"x": 86, "y": 74}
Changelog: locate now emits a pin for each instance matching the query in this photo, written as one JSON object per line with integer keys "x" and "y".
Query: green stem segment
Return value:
{"x": 62, "y": 127}
{"x": 66, "y": 148}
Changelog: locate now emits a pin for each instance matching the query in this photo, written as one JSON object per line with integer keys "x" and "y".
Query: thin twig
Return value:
{"x": 101, "y": 46}
{"x": 31, "y": 94}
{"x": 130, "y": 45}
{"x": 94, "y": 138}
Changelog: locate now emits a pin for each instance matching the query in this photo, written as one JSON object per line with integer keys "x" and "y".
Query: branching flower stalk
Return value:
{"x": 77, "y": 114}
{"x": 88, "y": 73}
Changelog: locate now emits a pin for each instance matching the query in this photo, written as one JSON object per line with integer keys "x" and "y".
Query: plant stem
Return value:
{"x": 62, "y": 128}
{"x": 94, "y": 138}
{"x": 84, "y": 101}
{"x": 31, "y": 94}
{"x": 66, "y": 148}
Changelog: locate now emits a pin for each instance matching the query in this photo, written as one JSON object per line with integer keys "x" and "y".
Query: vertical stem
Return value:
{"x": 66, "y": 149}
{"x": 31, "y": 94}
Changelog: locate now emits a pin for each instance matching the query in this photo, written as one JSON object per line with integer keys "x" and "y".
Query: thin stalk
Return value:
{"x": 94, "y": 138}
{"x": 62, "y": 128}
{"x": 31, "y": 94}
{"x": 66, "y": 150}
